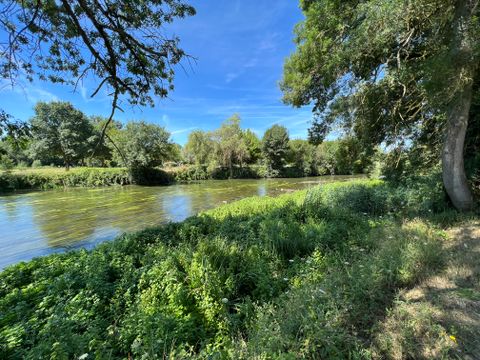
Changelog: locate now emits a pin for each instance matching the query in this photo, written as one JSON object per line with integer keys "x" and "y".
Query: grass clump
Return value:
{"x": 305, "y": 275}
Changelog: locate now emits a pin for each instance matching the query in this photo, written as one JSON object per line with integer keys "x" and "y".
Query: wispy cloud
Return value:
{"x": 269, "y": 42}
{"x": 35, "y": 94}
{"x": 251, "y": 63}
{"x": 181, "y": 131}
{"x": 231, "y": 76}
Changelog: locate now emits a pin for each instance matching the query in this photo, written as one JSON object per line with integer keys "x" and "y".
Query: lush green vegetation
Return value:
{"x": 401, "y": 74}
{"x": 317, "y": 274}
{"x": 60, "y": 135}
{"x": 309, "y": 274}
{"x": 50, "y": 178}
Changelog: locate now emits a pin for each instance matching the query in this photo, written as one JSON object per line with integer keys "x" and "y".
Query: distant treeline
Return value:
{"x": 60, "y": 135}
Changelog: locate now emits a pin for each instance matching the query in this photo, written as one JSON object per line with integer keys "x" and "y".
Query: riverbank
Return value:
{"x": 52, "y": 178}
{"x": 38, "y": 223}
{"x": 308, "y": 274}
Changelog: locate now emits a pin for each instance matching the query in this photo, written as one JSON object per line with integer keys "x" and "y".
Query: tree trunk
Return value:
{"x": 463, "y": 63}
{"x": 454, "y": 178}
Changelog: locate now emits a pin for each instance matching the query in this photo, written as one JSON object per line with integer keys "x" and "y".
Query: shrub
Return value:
{"x": 150, "y": 176}
{"x": 6, "y": 163}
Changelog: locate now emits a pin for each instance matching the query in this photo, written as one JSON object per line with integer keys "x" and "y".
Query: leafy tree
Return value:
{"x": 275, "y": 147}
{"x": 326, "y": 157}
{"x": 120, "y": 43}
{"x": 102, "y": 148}
{"x": 302, "y": 155}
{"x": 254, "y": 146}
{"x": 392, "y": 71}
{"x": 351, "y": 159}
{"x": 199, "y": 148}
{"x": 60, "y": 131}
{"x": 230, "y": 145}
{"x": 143, "y": 145}
{"x": 11, "y": 128}
{"x": 15, "y": 147}
{"x": 174, "y": 153}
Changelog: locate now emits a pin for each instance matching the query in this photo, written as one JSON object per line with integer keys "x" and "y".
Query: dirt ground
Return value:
{"x": 440, "y": 318}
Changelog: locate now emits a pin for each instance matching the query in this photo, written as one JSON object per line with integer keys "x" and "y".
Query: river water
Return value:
{"x": 40, "y": 223}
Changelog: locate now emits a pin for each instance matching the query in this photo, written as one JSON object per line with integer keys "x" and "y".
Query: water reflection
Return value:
{"x": 39, "y": 223}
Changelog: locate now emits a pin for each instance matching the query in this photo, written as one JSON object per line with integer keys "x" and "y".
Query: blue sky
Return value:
{"x": 240, "y": 46}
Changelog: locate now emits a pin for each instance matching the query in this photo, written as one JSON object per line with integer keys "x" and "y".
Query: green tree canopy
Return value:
{"x": 391, "y": 70}
{"x": 275, "y": 147}
{"x": 199, "y": 148}
{"x": 254, "y": 146}
{"x": 301, "y": 154}
{"x": 142, "y": 145}
{"x": 60, "y": 131}
{"x": 229, "y": 143}
{"x": 120, "y": 43}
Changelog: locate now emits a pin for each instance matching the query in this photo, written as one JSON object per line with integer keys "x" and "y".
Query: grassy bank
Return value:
{"x": 50, "y": 178}
{"x": 314, "y": 274}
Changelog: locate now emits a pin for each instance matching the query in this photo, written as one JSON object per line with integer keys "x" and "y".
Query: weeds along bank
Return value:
{"x": 306, "y": 275}
{"x": 51, "y": 178}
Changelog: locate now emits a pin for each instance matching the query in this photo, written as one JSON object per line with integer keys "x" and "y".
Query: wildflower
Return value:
{"x": 453, "y": 338}
{"x": 224, "y": 300}
{"x": 83, "y": 357}
{"x": 346, "y": 263}
{"x": 285, "y": 279}
{"x": 290, "y": 261}
{"x": 361, "y": 249}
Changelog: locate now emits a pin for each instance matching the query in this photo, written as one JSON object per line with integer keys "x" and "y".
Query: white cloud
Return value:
{"x": 181, "y": 131}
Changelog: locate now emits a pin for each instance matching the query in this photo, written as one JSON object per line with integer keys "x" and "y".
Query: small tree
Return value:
{"x": 60, "y": 131}
{"x": 275, "y": 147}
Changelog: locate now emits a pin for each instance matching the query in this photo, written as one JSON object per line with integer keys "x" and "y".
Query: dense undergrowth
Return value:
{"x": 305, "y": 275}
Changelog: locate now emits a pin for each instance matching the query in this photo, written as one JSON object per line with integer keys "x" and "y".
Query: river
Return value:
{"x": 43, "y": 222}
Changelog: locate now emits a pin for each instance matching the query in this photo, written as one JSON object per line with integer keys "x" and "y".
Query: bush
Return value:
{"x": 150, "y": 176}
{"x": 6, "y": 163}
